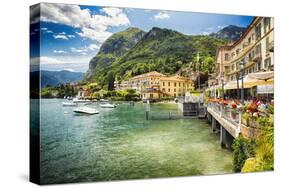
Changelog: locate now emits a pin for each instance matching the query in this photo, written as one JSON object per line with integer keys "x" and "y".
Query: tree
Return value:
{"x": 208, "y": 65}
{"x": 111, "y": 79}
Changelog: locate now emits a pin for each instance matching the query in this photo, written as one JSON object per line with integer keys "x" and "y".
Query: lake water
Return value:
{"x": 120, "y": 144}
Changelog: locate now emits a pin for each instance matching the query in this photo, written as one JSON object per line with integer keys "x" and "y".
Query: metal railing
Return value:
{"x": 226, "y": 112}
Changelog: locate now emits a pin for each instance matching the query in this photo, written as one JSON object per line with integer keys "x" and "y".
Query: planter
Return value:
{"x": 245, "y": 121}
{"x": 233, "y": 115}
{"x": 253, "y": 123}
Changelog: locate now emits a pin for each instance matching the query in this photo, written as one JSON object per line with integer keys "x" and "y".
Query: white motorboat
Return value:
{"x": 85, "y": 110}
{"x": 69, "y": 104}
{"x": 77, "y": 100}
{"x": 103, "y": 100}
{"x": 107, "y": 105}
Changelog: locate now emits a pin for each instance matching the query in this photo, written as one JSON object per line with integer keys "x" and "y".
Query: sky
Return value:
{"x": 70, "y": 35}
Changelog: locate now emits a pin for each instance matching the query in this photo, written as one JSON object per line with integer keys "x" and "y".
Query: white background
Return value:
{"x": 14, "y": 105}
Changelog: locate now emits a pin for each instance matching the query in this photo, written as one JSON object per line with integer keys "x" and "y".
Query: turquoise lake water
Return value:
{"x": 120, "y": 144}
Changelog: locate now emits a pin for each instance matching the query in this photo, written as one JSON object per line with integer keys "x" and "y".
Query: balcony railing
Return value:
{"x": 226, "y": 112}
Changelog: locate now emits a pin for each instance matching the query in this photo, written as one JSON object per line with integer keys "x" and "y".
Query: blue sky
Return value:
{"x": 71, "y": 35}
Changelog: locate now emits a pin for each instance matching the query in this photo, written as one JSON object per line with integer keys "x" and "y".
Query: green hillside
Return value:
{"x": 163, "y": 50}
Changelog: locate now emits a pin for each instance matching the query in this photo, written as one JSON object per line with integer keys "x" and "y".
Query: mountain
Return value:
{"x": 159, "y": 49}
{"x": 230, "y": 33}
{"x": 54, "y": 78}
{"x": 113, "y": 48}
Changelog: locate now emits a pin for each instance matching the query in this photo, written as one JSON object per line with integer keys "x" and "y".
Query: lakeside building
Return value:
{"x": 154, "y": 85}
{"x": 252, "y": 53}
{"x": 83, "y": 92}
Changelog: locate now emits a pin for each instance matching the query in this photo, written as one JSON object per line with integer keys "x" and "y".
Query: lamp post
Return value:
{"x": 222, "y": 86}
{"x": 242, "y": 63}
{"x": 198, "y": 64}
{"x": 209, "y": 85}
{"x": 237, "y": 79}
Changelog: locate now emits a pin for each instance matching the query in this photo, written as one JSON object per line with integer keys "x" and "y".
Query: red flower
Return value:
{"x": 233, "y": 104}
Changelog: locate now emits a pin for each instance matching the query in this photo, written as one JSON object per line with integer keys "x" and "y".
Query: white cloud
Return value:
{"x": 93, "y": 27}
{"x": 59, "y": 36}
{"x": 93, "y": 47}
{"x": 79, "y": 50}
{"x": 49, "y": 60}
{"x": 71, "y": 36}
{"x": 46, "y": 30}
{"x": 99, "y": 36}
{"x": 86, "y": 49}
{"x": 161, "y": 16}
{"x": 59, "y": 51}
{"x": 69, "y": 69}
{"x": 221, "y": 26}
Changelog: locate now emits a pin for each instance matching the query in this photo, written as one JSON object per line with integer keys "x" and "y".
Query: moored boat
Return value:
{"x": 85, "y": 110}
{"x": 107, "y": 105}
{"x": 77, "y": 100}
{"x": 69, "y": 104}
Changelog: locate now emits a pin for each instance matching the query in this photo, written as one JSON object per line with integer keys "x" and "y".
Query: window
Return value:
{"x": 169, "y": 90}
{"x": 266, "y": 24}
{"x": 250, "y": 56}
{"x": 249, "y": 40}
{"x": 258, "y": 50}
{"x": 168, "y": 83}
{"x": 258, "y": 31}
{"x": 267, "y": 44}
{"x": 179, "y": 84}
{"x": 233, "y": 67}
{"x": 237, "y": 51}
{"x": 175, "y": 84}
{"x": 267, "y": 62}
{"x": 259, "y": 66}
{"x": 175, "y": 95}
{"x": 163, "y": 83}
{"x": 163, "y": 89}
{"x": 226, "y": 57}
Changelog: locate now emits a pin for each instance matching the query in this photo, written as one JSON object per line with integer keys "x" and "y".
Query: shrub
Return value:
{"x": 243, "y": 149}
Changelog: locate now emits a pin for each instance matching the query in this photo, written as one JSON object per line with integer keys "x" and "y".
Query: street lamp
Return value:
{"x": 198, "y": 64}
{"x": 237, "y": 79}
{"x": 222, "y": 86}
{"x": 242, "y": 64}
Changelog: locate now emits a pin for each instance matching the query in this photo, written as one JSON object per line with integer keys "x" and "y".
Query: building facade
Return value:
{"x": 254, "y": 48}
{"x": 155, "y": 85}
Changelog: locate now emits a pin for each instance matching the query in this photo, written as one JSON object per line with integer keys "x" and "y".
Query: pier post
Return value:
{"x": 214, "y": 127}
{"x": 222, "y": 137}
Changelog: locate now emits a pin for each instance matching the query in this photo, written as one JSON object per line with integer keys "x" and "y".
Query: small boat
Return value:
{"x": 107, "y": 105}
{"x": 77, "y": 100}
{"x": 69, "y": 104}
{"x": 103, "y": 100}
{"x": 86, "y": 110}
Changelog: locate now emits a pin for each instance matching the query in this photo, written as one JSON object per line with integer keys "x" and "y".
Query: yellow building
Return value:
{"x": 255, "y": 48}
{"x": 154, "y": 85}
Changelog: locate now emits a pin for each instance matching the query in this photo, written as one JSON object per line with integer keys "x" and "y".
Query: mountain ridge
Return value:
{"x": 133, "y": 51}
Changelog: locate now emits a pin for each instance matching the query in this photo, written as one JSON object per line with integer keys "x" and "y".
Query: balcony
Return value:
{"x": 257, "y": 57}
